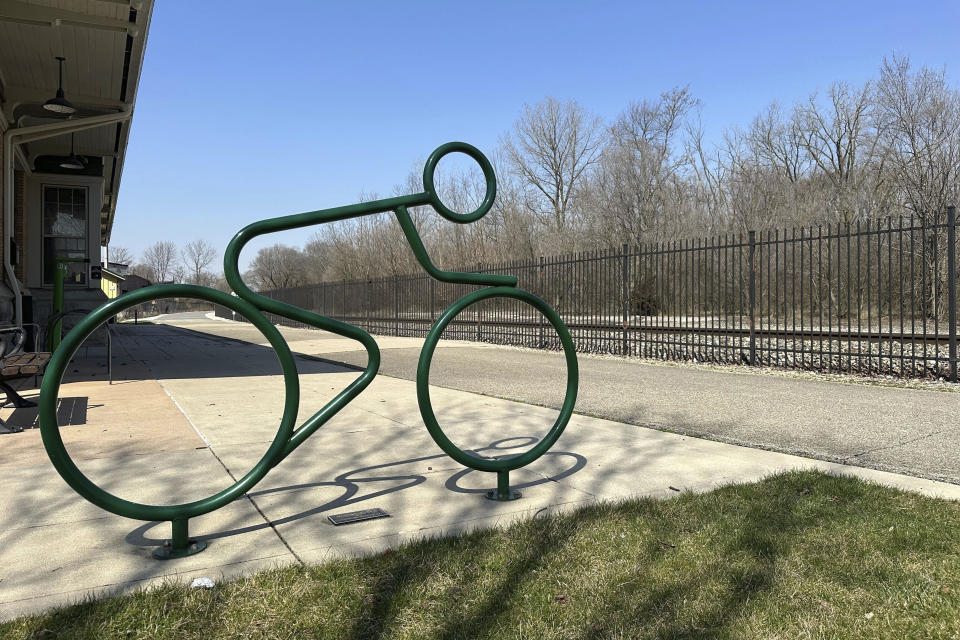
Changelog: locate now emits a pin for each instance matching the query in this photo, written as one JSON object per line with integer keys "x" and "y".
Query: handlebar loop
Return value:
{"x": 430, "y": 168}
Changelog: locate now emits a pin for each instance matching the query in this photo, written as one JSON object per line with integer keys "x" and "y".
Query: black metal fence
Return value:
{"x": 877, "y": 297}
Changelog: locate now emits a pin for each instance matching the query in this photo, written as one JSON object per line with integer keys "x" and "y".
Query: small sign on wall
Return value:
{"x": 96, "y": 272}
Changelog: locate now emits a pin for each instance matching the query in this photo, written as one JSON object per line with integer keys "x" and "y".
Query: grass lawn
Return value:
{"x": 799, "y": 555}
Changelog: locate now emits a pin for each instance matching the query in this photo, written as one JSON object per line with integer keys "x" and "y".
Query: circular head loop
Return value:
{"x": 423, "y": 381}
{"x": 430, "y": 168}
{"x": 49, "y": 390}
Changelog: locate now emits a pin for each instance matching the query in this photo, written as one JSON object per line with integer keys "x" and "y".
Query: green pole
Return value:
{"x": 55, "y": 332}
{"x": 53, "y": 341}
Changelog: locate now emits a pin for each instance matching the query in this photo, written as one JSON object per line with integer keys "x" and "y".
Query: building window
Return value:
{"x": 65, "y": 232}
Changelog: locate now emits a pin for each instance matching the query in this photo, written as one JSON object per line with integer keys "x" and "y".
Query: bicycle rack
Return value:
{"x": 254, "y": 306}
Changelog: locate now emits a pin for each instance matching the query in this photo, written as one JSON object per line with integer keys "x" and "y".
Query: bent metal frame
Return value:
{"x": 252, "y": 306}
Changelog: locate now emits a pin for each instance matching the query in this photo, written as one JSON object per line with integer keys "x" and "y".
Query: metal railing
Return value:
{"x": 871, "y": 298}
{"x": 147, "y": 310}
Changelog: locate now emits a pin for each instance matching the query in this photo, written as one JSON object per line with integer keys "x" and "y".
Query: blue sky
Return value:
{"x": 248, "y": 110}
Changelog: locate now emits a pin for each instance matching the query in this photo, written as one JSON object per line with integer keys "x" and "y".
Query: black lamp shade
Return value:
{"x": 59, "y": 104}
{"x": 72, "y": 162}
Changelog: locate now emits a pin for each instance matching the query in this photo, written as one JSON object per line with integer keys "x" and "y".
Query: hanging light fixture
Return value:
{"x": 59, "y": 103}
{"x": 72, "y": 161}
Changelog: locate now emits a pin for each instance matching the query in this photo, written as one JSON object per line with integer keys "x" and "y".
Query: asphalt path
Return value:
{"x": 894, "y": 429}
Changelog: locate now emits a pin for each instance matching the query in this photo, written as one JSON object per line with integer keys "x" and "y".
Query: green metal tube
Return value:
{"x": 55, "y": 330}
{"x": 52, "y": 379}
{"x": 180, "y": 534}
{"x": 232, "y": 273}
{"x": 503, "y": 485}
{"x": 457, "y": 277}
{"x": 56, "y": 333}
{"x": 253, "y": 306}
{"x": 423, "y": 381}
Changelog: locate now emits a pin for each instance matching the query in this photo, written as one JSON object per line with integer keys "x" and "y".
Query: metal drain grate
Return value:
{"x": 357, "y": 516}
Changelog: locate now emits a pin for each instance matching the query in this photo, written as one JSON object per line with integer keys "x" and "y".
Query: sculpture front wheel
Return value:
{"x": 505, "y": 466}
{"x": 177, "y": 514}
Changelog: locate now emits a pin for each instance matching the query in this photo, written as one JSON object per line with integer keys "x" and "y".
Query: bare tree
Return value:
{"x": 551, "y": 149}
{"x": 359, "y": 248}
{"x": 198, "y": 256}
{"x": 841, "y": 142}
{"x": 768, "y": 173}
{"x": 120, "y": 255}
{"x": 276, "y": 267}
{"x": 316, "y": 256}
{"x": 161, "y": 259}
{"x": 777, "y": 143}
{"x": 920, "y": 116}
{"x": 639, "y": 188}
{"x": 178, "y": 272}
{"x": 568, "y": 182}
{"x": 143, "y": 270}
{"x": 707, "y": 176}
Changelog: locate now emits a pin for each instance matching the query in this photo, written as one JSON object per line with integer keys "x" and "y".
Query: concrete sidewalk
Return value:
{"x": 196, "y": 410}
{"x": 912, "y": 431}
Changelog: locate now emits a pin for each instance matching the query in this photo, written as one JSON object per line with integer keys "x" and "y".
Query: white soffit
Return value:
{"x": 94, "y": 37}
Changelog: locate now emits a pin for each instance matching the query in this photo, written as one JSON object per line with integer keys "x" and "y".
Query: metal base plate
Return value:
{"x": 167, "y": 552}
{"x": 357, "y": 516}
{"x": 493, "y": 495}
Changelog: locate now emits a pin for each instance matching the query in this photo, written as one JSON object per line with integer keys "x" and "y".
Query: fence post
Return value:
{"x": 367, "y": 302}
{"x": 396, "y": 306}
{"x": 625, "y": 306}
{"x": 433, "y": 313}
{"x": 952, "y": 287}
{"x": 479, "y": 311}
{"x": 542, "y": 294}
{"x": 752, "y": 237}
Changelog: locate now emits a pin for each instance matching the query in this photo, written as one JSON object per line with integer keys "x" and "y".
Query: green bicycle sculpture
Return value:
{"x": 253, "y": 306}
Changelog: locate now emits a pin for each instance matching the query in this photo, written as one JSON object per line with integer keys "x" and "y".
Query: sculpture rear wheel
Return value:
{"x": 177, "y": 514}
{"x": 501, "y": 467}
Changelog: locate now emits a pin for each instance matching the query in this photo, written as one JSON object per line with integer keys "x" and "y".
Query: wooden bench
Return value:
{"x": 21, "y": 365}
{"x": 17, "y": 364}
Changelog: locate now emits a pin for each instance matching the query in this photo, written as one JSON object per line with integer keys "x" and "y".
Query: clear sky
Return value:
{"x": 252, "y": 109}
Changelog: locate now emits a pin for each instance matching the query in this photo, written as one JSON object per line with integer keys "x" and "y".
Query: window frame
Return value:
{"x": 85, "y": 238}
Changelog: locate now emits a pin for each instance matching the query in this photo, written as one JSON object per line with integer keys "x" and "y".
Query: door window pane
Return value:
{"x": 65, "y": 232}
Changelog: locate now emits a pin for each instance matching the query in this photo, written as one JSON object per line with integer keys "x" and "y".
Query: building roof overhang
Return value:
{"x": 112, "y": 274}
{"x": 103, "y": 42}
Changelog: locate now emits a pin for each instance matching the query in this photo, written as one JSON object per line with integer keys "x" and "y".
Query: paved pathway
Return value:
{"x": 202, "y": 406}
{"x": 910, "y": 431}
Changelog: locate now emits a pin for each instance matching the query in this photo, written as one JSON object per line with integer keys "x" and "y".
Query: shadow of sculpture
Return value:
{"x": 351, "y": 482}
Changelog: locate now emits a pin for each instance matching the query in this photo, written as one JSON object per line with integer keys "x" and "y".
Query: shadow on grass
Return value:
{"x": 676, "y": 602}
{"x": 746, "y": 560}
{"x": 716, "y": 565}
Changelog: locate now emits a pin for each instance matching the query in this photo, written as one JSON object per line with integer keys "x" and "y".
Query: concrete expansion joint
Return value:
{"x": 232, "y": 477}
{"x": 925, "y": 436}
